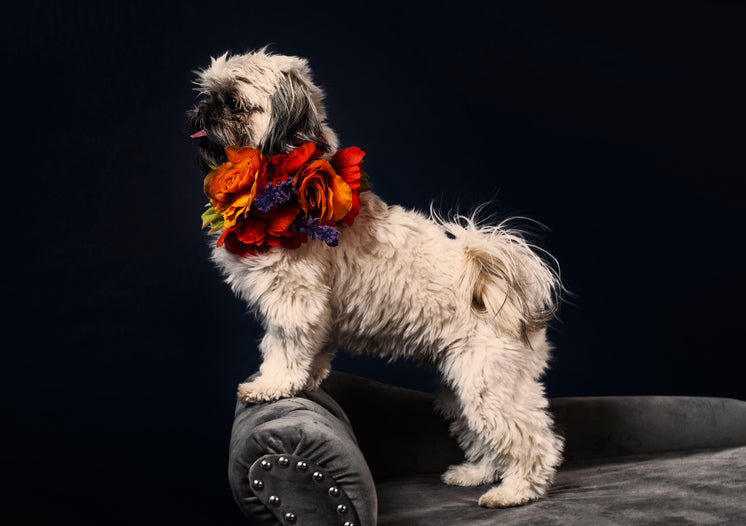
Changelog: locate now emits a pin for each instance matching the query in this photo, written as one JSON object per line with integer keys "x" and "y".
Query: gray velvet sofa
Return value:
{"x": 358, "y": 452}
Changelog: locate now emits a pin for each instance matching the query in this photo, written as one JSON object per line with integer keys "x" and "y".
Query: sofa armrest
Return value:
{"x": 301, "y": 451}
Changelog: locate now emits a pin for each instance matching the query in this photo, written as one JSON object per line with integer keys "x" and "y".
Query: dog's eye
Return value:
{"x": 233, "y": 103}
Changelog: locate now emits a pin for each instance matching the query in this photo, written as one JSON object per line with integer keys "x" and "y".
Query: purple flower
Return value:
{"x": 307, "y": 225}
{"x": 271, "y": 196}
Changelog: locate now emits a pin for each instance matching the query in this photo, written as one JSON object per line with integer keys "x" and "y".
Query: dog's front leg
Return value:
{"x": 286, "y": 366}
{"x": 296, "y": 311}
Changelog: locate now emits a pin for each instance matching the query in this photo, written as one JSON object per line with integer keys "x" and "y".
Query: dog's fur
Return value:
{"x": 473, "y": 300}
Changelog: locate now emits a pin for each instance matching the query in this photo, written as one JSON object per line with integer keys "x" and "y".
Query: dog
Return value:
{"x": 472, "y": 299}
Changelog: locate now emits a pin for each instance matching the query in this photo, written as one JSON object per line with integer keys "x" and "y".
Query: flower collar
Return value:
{"x": 259, "y": 201}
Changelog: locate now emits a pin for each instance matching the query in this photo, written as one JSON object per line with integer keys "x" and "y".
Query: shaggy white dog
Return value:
{"x": 473, "y": 300}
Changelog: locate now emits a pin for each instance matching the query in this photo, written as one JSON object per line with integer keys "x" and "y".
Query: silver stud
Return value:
{"x": 258, "y": 484}
{"x": 290, "y": 517}
{"x": 318, "y": 476}
{"x": 266, "y": 465}
{"x": 283, "y": 461}
{"x": 302, "y": 466}
{"x": 348, "y": 523}
{"x": 341, "y": 508}
{"x": 274, "y": 500}
{"x": 334, "y": 491}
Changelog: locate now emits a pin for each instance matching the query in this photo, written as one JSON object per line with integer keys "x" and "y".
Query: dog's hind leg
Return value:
{"x": 477, "y": 469}
{"x": 507, "y": 428}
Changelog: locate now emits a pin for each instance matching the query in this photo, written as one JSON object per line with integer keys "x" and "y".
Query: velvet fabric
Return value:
{"x": 629, "y": 460}
{"x": 702, "y": 487}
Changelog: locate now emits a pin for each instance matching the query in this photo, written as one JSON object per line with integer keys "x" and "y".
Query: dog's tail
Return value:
{"x": 507, "y": 278}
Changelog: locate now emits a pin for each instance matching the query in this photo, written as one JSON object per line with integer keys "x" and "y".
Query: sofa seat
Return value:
{"x": 692, "y": 487}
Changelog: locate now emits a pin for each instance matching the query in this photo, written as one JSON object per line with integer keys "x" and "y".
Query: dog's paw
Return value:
{"x": 259, "y": 391}
{"x": 468, "y": 474}
{"x": 508, "y": 495}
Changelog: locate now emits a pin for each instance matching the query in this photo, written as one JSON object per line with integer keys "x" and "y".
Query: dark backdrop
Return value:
{"x": 618, "y": 127}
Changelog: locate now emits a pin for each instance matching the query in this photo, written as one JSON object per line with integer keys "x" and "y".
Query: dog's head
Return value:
{"x": 261, "y": 100}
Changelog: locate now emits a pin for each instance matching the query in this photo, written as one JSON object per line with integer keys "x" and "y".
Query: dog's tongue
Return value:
{"x": 201, "y": 133}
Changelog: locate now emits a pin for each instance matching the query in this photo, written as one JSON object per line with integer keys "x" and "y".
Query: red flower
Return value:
{"x": 348, "y": 165}
{"x": 271, "y": 230}
{"x": 286, "y": 164}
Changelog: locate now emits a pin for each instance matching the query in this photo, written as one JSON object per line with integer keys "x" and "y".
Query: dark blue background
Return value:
{"x": 618, "y": 127}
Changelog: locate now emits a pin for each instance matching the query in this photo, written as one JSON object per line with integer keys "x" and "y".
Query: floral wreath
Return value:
{"x": 260, "y": 201}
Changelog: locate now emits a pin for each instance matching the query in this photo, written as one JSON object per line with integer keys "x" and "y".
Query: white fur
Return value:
{"x": 398, "y": 286}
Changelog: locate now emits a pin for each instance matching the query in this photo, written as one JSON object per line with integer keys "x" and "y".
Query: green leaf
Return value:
{"x": 218, "y": 225}
{"x": 364, "y": 186}
{"x": 210, "y": 216}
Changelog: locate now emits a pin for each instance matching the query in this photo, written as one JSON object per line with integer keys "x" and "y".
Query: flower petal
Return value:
{"x": 347, "y": 164}
{"x": 281, "y": 221}
{"x": 236, "y": 154}
{"x": 223, "y": 236}
{"x": 251, "y": 231}
{"x": 348, "y": 157}
{"x": 354, "y": 211}
{"x": 341, "y": 198}
{"x": 295, "y": 159}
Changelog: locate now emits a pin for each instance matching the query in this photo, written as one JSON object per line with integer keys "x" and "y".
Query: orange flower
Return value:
{"x": 233, "y": 185}
{"x": 323, "y": 193}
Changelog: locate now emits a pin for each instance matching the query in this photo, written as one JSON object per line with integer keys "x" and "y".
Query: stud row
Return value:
{"x": 302, "y": 466}
{"x": 285, "y": 462}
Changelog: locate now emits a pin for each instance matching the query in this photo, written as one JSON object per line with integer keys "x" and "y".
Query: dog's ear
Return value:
{"x": 295, "y": 115}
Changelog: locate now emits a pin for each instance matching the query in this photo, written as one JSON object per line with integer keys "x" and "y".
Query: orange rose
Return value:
{"x": 233, "y": 185}
{"x": 322, "y": 193}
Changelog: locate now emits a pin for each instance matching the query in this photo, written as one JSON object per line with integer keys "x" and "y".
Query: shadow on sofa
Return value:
{"x": 359, "y": 452}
